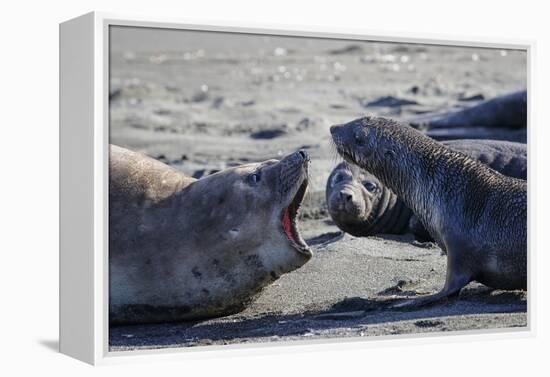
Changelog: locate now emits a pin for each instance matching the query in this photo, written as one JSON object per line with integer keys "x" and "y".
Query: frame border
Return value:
{"x": 99, "y": 270}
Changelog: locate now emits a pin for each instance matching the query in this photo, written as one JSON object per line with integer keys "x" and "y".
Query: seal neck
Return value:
{"x": 389, "y": 215}
{"x": 428, "y": 177}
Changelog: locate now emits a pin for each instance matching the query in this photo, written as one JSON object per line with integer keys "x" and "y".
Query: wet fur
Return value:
{"x": 477, "y": 215}
{"x": 506, "y": 111}
{"x": 384, "y": 212}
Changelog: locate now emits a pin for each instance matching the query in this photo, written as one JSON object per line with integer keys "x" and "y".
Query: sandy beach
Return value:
{"x": 202, "y": 102}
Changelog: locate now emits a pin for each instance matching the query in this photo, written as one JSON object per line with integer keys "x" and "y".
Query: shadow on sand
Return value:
{"x": 352, "y": 312}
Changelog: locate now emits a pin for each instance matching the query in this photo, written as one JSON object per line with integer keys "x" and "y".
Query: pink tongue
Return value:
{"x": 287, "y": 225}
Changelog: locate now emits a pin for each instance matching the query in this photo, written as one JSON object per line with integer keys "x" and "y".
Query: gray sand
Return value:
{"x": 344, "y": 291}
{"x": 201, "y": 102}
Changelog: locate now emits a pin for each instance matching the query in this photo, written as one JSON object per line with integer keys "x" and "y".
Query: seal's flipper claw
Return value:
{"x": 420, "y": 301}
{"x": 452, "y": 288}
{"x": 402, "y": 304}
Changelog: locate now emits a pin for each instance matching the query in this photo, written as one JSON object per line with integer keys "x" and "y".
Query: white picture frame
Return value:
{"x": 84, "y": 139}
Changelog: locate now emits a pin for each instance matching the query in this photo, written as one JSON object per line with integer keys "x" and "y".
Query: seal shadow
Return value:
{"x": 352, "y": 312}
{"x": 325, "y": 239}
{"x": 51, "y": 344}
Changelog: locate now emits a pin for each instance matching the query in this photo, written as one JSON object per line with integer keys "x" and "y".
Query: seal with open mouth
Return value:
{"x": 478, "y": 216}
{"x": 185, "y": 249}
{"x": 361, "y": 205}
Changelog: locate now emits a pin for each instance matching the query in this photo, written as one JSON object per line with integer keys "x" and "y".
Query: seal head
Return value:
{"x": 361, "y": 205}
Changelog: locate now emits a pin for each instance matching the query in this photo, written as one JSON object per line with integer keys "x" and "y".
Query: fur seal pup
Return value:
{"x": 361, "y": 205}
{"x": 185, "y": 249}
{"x": 478, "y": 216}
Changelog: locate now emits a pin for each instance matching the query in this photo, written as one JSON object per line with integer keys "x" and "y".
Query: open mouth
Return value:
{"x": 290, "y": 223}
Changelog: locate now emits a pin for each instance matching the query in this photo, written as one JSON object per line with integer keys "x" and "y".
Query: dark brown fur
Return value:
{"x": 474, "y": 213}
{"x": 361, "y": 205}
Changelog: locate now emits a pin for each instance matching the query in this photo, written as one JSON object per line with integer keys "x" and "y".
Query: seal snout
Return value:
{"x": 346, "y": 196}
{"x": 349, "y": 201}
{"x": 299, "y": 161}
{"x": 304, "y": 158}
{"x": 297, "y": 158}
{"x": 336, "y": 130}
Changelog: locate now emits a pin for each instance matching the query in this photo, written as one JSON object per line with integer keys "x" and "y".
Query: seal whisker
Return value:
{"x": 335, "y": 157}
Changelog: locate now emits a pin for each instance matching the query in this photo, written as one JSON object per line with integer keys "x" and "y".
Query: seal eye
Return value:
{"x": 337, "y": 178}
{"x": 254, "y": 178}
{"x": 389, "y": 153}
{"x": 369, "y": 186}
{"x": 360, "y": 138}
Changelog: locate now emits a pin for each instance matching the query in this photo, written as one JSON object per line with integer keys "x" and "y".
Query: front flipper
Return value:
{"x": 455, "y": 280}
{"x": 425, "y": 300}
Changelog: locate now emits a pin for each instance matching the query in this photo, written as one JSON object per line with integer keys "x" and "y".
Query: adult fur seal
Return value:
{"x": 184, "y": 249}
{"x": 361, "y": 205}
{"x": 478, "y": 216}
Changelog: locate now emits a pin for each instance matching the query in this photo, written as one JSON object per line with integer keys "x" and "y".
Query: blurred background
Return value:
{"x": 204, "y": 101}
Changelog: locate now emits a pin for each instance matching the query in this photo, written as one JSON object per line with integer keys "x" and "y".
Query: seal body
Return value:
{"x": 361, "y": 205}
{"x": 477, "y": 215}
{"x": 502, "y": 118}
{"x": 184, "y": 249}
{"x": 506, "y": 111}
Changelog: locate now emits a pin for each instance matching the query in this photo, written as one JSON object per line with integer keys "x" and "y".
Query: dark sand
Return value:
{"x": 203, "y": 103}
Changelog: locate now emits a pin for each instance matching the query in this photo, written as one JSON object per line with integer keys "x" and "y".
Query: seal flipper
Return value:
{"x": 449, "y": 291}
{"x": 454, "y": 282}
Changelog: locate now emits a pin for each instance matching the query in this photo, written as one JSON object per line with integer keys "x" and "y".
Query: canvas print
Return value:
{"x": 267, "y": 188}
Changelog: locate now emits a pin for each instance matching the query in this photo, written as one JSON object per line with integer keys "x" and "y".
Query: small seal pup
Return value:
{"x": 361, "y": 205}
{"x": 478, "y": 216}
{"x": 185, "y": 249}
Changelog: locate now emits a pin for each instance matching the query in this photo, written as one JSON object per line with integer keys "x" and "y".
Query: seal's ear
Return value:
{"x": 234, "y": 233}
{"x": 254, "y": 178}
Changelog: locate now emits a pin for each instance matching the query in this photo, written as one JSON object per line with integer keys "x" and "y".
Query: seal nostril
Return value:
{"x": 304, "y": 154}
{"x": 346, "y": 196}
